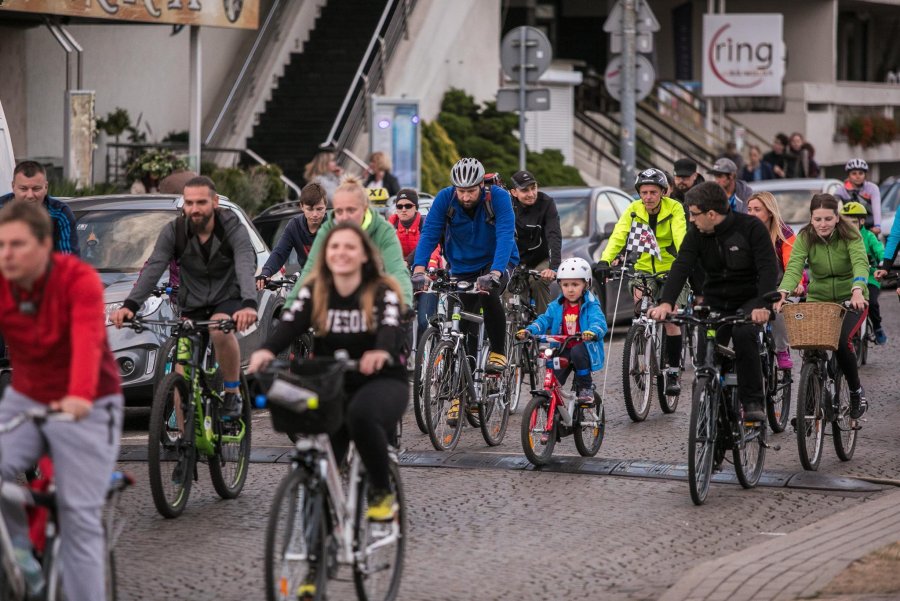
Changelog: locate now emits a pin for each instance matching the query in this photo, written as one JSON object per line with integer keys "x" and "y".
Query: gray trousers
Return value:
{"x": 84, "y": 454}
{"x": 779, "y": 333}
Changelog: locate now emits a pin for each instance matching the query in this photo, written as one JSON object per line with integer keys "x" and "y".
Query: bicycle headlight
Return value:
{"x": 548, "y": 353}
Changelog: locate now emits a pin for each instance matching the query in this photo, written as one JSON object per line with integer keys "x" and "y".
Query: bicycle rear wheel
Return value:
{"x": 810, "y": 421}
{"x": 296, "y": 537}
{"x": 170, "y": 449}
{"x": 749, "y": 453}
{"x": 427, "y": 344}
{"x": 443, "y": 387}
{"x": 537, "y": 432}
{"x": 701, "y": 439}
{"x": 636, "y": 374}
{"x": 667, "y": 402}
{"x": 228, "y": 468}
{"x": 843, "y": 429}
{"x": 494, "y": 406}
{"x": 590, "y": 426}
{"x": 380, "y": 546}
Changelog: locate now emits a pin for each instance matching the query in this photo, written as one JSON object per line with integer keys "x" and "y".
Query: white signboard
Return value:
{"x": 743, "y": 55}
{"x": 7, "y": 158}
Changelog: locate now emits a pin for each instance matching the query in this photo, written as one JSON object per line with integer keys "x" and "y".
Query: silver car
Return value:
{"x": 793, "y": 196}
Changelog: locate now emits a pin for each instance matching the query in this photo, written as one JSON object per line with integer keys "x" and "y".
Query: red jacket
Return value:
{"x": 62, "y": 350}
{"x": 409, "y": 236}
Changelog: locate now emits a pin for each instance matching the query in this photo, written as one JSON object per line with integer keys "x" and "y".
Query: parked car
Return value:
{"x": 793, "y": 196}
{"x": 271, "y": 224}
{"x": 890, "y": 200}
{"x": 117, "y": 235}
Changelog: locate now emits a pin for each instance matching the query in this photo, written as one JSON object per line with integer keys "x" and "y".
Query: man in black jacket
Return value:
{"x": 538, "y": 235}
{"x": 686, "y": 177}
{"x": 739, "y": 260}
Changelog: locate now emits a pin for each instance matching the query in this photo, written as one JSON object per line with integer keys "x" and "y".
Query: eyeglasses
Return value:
{"x": 693, "y": 214}
{"x": 404, "y": 207}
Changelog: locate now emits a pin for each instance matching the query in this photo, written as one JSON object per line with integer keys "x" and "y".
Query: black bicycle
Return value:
{"x": 778, "y": 383}
{"x": 520, "y": 311}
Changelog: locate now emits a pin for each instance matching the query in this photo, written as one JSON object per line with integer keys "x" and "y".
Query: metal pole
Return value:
{"x": 196, "y": 81}
{"x": 627, "y": 128}
{"x": 523, "y": 56}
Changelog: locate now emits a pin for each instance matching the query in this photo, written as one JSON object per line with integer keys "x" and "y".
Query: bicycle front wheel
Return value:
{"x": 667, "y": 402}
{"x": 749, "y": 452}
{"x": 636, "y": 374}
{"x": 228, "y": 468}
{"x": 701, "y": 439}
{"x": 538, "y": 431}
{"x": 170, "y": 448}
{"x": 295, "y": 551}
{"x": 494, "y": 406}
{"x": 380, "y": 546}
{"x": 444, "y": 399}
{"x": 430, "y": 337}
{"x": 810, "y": 421}
{"x": 844, "y": 429}
{"x": 590, "y": 426}
{"x": 778, "y": 401}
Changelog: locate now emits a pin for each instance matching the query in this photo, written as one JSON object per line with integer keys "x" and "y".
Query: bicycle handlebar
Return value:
{"x": 167, "y": 289}
{"x": 138, "y": 324}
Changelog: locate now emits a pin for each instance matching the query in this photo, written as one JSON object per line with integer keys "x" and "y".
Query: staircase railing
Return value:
{"x": 369, "y": 78}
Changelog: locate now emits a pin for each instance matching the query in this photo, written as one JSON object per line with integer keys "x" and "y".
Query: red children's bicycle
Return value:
{"x": 553, "y": 412}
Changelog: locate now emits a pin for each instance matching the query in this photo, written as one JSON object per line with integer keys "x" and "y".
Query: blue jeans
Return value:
{"x": 426, "y": 306}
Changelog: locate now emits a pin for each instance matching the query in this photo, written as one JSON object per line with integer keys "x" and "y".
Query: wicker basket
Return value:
{"x": 813, "y": 325}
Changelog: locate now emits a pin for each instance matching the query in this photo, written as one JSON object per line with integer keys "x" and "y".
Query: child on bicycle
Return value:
{"x": 856, "y": 212}
{"x": 575, "y": 311}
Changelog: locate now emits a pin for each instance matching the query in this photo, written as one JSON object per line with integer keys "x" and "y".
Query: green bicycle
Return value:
{"x": 190, "y": 402}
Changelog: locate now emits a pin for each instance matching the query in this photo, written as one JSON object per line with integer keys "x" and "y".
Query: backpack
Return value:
{"x": 491, "y": 179}
{"x": 182, "y": 236}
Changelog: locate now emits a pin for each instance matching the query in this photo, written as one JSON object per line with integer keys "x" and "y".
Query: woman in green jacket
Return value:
{"x": 838, "y": 272}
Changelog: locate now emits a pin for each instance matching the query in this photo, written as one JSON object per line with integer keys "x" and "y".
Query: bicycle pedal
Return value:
{"x": 774, "y": 447}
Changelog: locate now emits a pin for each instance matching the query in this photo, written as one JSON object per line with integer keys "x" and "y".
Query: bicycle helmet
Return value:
{"x": 854, "y": 209}
{"x": 651, "y": 176}
{"x": 574, "y": 269}
{"x": 854, "y": 164}
{"x": 467, "y": 172}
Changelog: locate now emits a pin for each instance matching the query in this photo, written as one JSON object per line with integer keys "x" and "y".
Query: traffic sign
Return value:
{"x": 538, "y": 53}
{"x": 645, "y": 23}
{"x": 536, "y": 99}
{"x": 644, "y": 75}
{"x": 643, "y": 43}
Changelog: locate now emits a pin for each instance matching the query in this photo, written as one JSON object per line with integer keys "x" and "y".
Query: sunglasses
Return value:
{"x": 404, "y": 207}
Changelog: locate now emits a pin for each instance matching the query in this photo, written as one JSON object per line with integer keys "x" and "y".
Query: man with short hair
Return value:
{"x": 30, "y": 185}
{"x": 52, "y": 316}
{"x": 686, "y": 177}
{"x": 737, "y": 191}
{"x": 739, "y": 260}
{"x": 217, "y": 262}
{"x": 538, "y": 235}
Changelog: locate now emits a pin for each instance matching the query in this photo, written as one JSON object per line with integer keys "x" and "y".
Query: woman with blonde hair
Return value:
{"x": 380, "y": 175}
{"x": 324, "y": 170}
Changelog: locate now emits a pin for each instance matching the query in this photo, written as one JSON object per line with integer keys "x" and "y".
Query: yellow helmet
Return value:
{"x": 854, "y": 209}
{"x": 378, "y": 196}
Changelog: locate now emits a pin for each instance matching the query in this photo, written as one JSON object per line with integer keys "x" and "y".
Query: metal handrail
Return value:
{"x": 287, "y": 181}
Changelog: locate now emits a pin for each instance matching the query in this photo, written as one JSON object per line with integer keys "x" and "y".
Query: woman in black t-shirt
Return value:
{"x": 353, "y": 306}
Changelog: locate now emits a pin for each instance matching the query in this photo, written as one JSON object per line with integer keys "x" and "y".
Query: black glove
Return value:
{"x": 419, "y": 282}
{"x": 601, "y": 270}
{"x": 262, "y": 277}
{"x": 488, "y": 282}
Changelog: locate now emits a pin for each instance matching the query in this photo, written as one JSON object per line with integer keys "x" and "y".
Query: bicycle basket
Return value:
{"x": 322, "y": 377}
{"x": 813, "y": 325}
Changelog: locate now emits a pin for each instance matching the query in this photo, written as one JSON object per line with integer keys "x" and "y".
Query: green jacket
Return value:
{"x": 383, "y": 235}
{"x": 671, "y": 227}
{"x": 835, "y": 267}
{"x": 875, "y": 254}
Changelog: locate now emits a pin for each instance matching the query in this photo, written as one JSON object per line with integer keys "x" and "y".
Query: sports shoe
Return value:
{"x": 858, "y": 403}
{"x": 783, "y": 359}
{"x": 453, "y": 413}
{"x": 307, "y": 588}
{"x": 754, "y": 411}
{"x": 231, "y": 405}
{"x": 585, "y": 396}
{"x": 880, "y": 336}
{"x": 382, "y": 507}
{"x": 496, "y": 363}
{"x": 673, "y": 381}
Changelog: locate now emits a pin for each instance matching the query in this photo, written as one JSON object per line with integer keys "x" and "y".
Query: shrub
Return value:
{"x": 253, "y": 189}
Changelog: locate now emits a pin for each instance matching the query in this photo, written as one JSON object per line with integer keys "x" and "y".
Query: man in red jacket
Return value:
{"x": 52, "y": 316}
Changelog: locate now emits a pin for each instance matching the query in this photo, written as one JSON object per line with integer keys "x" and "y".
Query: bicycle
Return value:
{"x": 778, "y": 383}
{"x": 520, "y": 312}
{"x": 318, "y": 518}
{"x": 13, "y": 586}
{"x": 644, "y": 353}
{"x": 458, "y": 384}
{"x": 302, "y": 347}
{"x": 553, "y": 413}
{"x": 717, "y": 424}
{"x": 190, "y": 402}
{"x": 425, "y": 347}
{"x": 862, "y": 340}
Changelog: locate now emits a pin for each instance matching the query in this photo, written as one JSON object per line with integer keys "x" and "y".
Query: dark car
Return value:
{"x": 271, "y": 223}
{"x": 117, "y": 235}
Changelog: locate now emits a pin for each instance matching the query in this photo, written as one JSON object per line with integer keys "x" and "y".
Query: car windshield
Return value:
{"x": 794, "y": 204}
{"x": 574, "y": 213}
{"x": 271, "y": 232}
{"x": 119, "y": 241}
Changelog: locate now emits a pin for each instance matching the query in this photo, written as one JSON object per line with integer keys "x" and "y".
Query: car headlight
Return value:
{"x": 110, "y": 309}
{"x": 147, "y": 309}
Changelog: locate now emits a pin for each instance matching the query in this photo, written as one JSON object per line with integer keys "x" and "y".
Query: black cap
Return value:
{"x": 523, "y": 179}
{"x": 685, "y": 168}
{"x": 407, "y": 194}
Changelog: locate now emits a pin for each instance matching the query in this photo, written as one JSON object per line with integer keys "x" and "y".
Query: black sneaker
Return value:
{"x": 673, "y": 381}
{"x": 754, "y": 411}
{"x": 179, "y": 474}
{"x": 231, "y": 405}
{"x": 858, "y": 403}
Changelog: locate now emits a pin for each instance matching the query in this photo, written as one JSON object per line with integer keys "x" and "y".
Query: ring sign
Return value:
{"x": 644, "y": 75}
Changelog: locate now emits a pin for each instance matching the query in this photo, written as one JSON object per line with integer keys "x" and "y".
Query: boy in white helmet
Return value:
{"x": 575, "y": 311}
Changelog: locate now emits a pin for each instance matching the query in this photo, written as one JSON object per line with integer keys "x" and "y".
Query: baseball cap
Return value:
{"x": 685, "y": 168}
{"x": 523, "y": 179}
{"x": 407, "y": 194}
{"x": 724, "y": 166}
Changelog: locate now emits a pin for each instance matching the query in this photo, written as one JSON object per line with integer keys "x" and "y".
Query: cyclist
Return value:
{"x": 299, "y": 233}
{"x": 858, "y": 189}
{"x": 838, "y": 271}
{"x": 51, "y": 313}
{"x": 665, "y": 217}
{"x": 738, "y": 258}
{"x": 538, "y": 236}
{"x": 477, "y": 225}
{"x": 686, "y": 177}
{"x": 856, "y": 213}
{"x": 352, "y": 305}
{"x": 217, "y": 263}
{"x": 350, "y": 203}
{"x": 575, "y": 310}
{"x": 725, "y": 173}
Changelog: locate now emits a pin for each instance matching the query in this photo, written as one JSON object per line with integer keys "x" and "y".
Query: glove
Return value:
{"x": 588, "y": 335}
{"x": 521, "y": 334}
{"x": 262, "y": 277}
{"x": 488, "y": 282}
{"x": 419, "y": 282}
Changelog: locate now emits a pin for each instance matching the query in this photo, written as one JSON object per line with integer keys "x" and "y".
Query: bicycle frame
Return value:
{"x": 552, "y": 388}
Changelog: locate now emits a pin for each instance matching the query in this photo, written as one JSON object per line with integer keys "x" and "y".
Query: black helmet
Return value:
{"x": 651, "y": 176}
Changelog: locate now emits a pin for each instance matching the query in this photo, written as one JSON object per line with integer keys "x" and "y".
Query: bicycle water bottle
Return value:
{"x": 184, "y": 351}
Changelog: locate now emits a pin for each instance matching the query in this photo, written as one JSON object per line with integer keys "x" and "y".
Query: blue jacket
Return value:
{"x": 893, "y": 242}
{"x": 296, "y": 236}
{"x": 589, "y": 319}
{"x": 470, "y": 243}
{"x": 65, "y": 239}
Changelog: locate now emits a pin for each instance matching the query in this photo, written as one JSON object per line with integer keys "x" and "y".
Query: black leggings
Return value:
{"x": 494, "y": 313}
{"x": 874, "y": 307}
{"x": 846, "y": 357}
{"x": 370, "y": 419}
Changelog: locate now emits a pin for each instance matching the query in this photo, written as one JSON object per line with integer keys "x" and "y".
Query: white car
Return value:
{"x": 793, "y": 196}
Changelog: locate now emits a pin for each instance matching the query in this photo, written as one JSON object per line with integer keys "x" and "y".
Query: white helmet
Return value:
{"x": 854, "y": 164}
{"x": 467, "y": 172}
{"x": 574, "y": 269}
